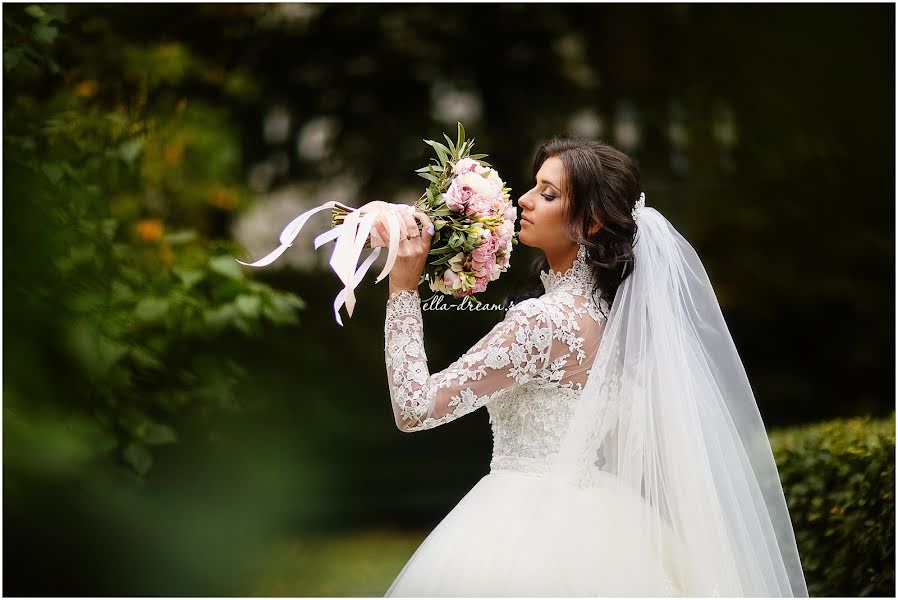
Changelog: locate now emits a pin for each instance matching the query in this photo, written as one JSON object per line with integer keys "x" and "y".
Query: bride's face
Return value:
{"x": 541, "y": 207}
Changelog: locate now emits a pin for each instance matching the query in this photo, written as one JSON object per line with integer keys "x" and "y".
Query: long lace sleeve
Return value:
{"x": 512, "y": 353}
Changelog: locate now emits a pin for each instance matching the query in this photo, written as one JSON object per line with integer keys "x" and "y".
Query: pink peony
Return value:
{"x": 478, "y": 207}
{"x": 451, "y": 279}
{"x": 480, "y": 284}
{"x": 511, "y": 213}
{"x": 467, "y": 165}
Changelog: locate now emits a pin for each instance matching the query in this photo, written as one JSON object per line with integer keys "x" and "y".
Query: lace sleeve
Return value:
{"x": 512, "y": 353}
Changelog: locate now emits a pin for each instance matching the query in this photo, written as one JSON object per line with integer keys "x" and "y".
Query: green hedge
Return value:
{"x": 839, "y": 481}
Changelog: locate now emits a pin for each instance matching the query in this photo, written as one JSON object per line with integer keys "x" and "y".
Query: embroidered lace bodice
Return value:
{"x": 528, "y": 370}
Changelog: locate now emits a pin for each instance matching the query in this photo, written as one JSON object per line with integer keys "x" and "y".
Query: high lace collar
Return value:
{"x": 578, "y": 278}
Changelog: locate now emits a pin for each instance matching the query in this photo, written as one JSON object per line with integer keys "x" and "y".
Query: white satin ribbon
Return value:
{"x": 351, "y": 236}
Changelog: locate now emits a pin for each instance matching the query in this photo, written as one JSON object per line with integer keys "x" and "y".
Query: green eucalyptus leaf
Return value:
{"x": 442, "y": 261}
{"x": 452, "y": 146}
{"x": 442, "y": 151}
{"x": 443, "y": 212}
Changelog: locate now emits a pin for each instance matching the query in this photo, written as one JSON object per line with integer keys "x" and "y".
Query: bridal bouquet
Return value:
{"x": 470, "y": 208}
{"x": 472, "y": 216}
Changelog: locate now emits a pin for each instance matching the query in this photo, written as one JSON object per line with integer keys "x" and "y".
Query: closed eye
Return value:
{"x": 547, "y": 196}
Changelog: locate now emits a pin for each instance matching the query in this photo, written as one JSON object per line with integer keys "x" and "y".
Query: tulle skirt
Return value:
{"x": 513, "y": 536}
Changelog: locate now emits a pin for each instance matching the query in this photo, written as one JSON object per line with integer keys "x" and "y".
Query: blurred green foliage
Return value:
{"x": 839, "y": 479}
{"x": 115, "y": 272}
{"x": 355, "y": 564}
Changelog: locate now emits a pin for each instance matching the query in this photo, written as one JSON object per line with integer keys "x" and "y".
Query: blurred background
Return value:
{"x": 177, "y": 424}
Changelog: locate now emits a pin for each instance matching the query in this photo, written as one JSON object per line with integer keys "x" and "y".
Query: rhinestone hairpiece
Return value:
{"x": 640, "y": 204}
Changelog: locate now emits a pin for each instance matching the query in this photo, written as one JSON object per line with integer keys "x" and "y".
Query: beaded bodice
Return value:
{"x": 528, "y": 370}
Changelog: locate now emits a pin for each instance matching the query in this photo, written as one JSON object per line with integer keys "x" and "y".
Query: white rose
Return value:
{"x": 480, "y": 185}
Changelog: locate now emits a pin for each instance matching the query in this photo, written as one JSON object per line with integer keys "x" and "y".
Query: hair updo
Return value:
{"x": 602, "y": 187}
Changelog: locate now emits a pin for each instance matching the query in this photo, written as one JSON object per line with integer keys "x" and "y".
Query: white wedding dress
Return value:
{"x": 516, "y": 533}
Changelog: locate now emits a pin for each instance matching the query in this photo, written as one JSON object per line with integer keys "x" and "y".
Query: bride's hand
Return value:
{"x": 414, "y": 247}
{"x": 378, "y": 240}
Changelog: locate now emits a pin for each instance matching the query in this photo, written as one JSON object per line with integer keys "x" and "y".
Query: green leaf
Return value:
{"x": 157, "y": 433}
{"x": 130, "y": 150}
{"x": 461, "y": 134}
{"x": 108, "y": 227}
{"x": 452, "y": 146}
{"x": 45, "y": 33}
{"x": 55, "y": 12}
{"x": 226, "y": 265}
{"x": 181, "y": 236}
{"x": 144, "y": 358}
{"x": 139, "y": 457}
{"x": 151, "y": 309}
{"x": 35, "y": 11}
{"x": 443, "y": 261}
{"x": 189, "y": 277}
{"x": 218, "y": 318}
{"x": 53, "y": 171}
{"x": 429, "y": 177}
{"x": 442, "y": 151}
{"x": 11, "y": 58}
{"x": 248, "y": 305}
{"x": 443, "y": 212}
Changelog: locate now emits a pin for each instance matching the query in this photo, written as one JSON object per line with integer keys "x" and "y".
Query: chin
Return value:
{"x": 523, "y": 239}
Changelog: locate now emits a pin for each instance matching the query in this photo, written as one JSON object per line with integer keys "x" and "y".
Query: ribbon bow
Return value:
{"x": 351, "y": 236}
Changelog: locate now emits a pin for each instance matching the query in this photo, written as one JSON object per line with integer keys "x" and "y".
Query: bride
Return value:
{"x": 629, "y": 456}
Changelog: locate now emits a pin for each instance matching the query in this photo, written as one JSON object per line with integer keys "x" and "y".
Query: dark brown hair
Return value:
{"x": 602, "y": 186}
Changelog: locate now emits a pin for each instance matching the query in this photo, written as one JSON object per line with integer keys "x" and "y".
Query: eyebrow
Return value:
{"x": 549, "y": 182}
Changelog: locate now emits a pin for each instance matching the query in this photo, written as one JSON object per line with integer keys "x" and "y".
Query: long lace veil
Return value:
{"x": 668, "y": 411}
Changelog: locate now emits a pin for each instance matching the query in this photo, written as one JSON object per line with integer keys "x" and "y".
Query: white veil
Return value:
{"x": 668, "y": 410}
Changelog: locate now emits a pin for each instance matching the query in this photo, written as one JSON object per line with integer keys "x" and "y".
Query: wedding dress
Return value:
{"x": 516, "y": 533}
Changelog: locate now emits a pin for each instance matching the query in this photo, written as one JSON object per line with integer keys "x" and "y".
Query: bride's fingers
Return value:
{"x": 381, "y": 231}
{"x": 381, "y": 224}
{"x": 427, "y": 229}
{"x": 411, "y": 225}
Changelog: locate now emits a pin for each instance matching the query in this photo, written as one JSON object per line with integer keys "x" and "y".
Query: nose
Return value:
{"x": 525, "y": 202}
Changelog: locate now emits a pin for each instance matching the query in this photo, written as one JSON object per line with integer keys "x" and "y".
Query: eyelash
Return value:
{"x": 548, "y": 196}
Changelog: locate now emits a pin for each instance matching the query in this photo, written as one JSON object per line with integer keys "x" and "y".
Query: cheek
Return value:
{"x": 553, "y": 214}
